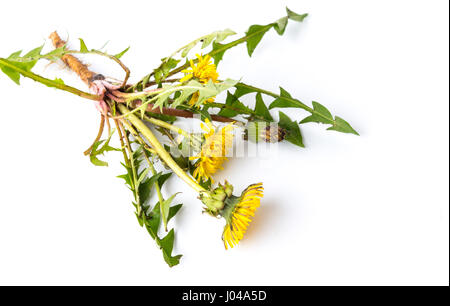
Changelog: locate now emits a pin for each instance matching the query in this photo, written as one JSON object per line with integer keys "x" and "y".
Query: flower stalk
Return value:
{"x": 159, "y": 149}
{"x": 167, "y": 125}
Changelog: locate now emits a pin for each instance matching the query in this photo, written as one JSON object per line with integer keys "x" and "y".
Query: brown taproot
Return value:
{"x": 72, "y": 62}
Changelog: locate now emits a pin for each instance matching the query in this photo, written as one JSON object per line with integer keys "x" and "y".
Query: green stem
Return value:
{"x": 339, "y": 125}
{"x": 118, "y": 61}
{"x": 163, "y": 91}
{"x": 240, "y": 40}
{"x": 238, "y": 110}
{"x": 156, "y": 145}
{"x": 150, "y": 164}
{"x": 272, "y": 94}
{"x": 168, "y": 126}
{"x": 138, "y": 137}
{"x": 122, "y": 144}
{"x": 225, "y": 47}
{"x": 135, "y": 179}
{"x": 157, "y": 187}
{"x": 48, "y": 82}
{"x": 222, "y": 105}
{"x": 214, "y": 52}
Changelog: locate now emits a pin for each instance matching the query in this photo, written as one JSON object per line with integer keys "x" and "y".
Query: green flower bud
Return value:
{"x": 215, "y": 200}
{"x": 264, "y": 131}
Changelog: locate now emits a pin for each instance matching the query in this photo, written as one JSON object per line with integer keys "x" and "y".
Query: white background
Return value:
{"x": 345, "y": 210}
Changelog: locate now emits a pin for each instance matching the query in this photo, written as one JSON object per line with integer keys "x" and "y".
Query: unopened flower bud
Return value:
{"x": 264, "y": 131}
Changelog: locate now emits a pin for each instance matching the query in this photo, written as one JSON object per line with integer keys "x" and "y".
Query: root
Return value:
{"x": 72, "y": 62}
{"x": 100, "y": 133}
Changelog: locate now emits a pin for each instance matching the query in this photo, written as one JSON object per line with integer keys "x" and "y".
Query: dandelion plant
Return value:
{"x": 184, "y": 85}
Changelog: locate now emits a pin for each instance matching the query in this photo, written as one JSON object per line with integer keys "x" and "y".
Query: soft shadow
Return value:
{"x": 263, "y": 219}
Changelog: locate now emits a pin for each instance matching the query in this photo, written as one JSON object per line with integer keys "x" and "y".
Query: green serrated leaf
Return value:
{"x": 284, "y": 100}
{"x": 280, "y": 25}
{"x": 152, "y": 221}
{"x": 233, "y": 107}
{"x": 204, "y": 114}
{"x": 318, "y": 113}
{"x": 294, "y": 16}
{"x": 163, "y": 70}
{"x": 205, "y": 92}
{"x": 56, "y": 53}
{"x": 94, "y": 160}
{"x": 255, "y": 33}
{"x": 217, "y": 52}
{"x": 165, "y": 206}
{"x": 97, "y": 150}
{"x": 187, "y": 49}
{"x": 127, "y": 179}
{"x": 144, "y": 189}
{"x": 119, "y": 55}
{"x": 170, "y": 64}
{"x": 254, "y": 36}
{"x": 142, "y": 176}
{"x": 242, "y": 90}
{"x": 222, "y": 35}
{"x": 261, "y": 108}
{"x": 231, "y": 102}
{"x": 166, "y": 244}
{"x": 26, "y": 62}
{"x": 14, "y": 55}
{"x": 83, "y": 48}
{"x": 182, "y": 96}
{"x": 33, "y": 53}
{"x": 30, "y": 59}
{"x": 177, "y": 156}
{"x": 163, "y": 178}
{"x": 11, "y": 73}
{"x": 211, "y": 89}
{"x": 321, "y": 109}
{"x": 293, "y": 131}
{"x": 343, "y": 126}
{"x": 207, "y": 41}
{"x": 167, "y": 118}
{"x": 224, "y": 85}
{"x": 140, "y": 220}
{"x": 167, "y": 247}
{"x": 207, "y": 185}
{"x": 158, "y": 74}
{"x": 173, "y": 211}
{"x": 56, "y": 81}
{"x": 321, "y": 115}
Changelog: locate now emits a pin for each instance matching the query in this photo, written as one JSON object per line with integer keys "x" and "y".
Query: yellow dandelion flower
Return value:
{"x": 203, "y": 71}
{"x": 213, "y": 151}
{"x": 239, "y": 214}
{"x": 237, "y": 211}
